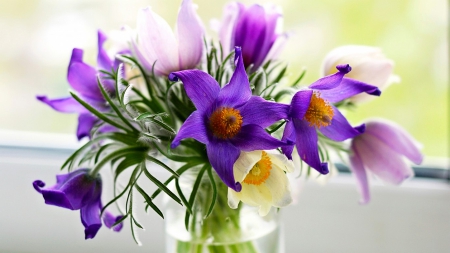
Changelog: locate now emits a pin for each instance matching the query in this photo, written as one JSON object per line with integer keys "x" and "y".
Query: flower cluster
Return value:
{"x": 218, "y": 108}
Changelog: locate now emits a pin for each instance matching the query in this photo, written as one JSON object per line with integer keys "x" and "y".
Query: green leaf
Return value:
{"x": 129, "y": 161}
{"x": 97, "y": 113}
{"x": 194, "y": 193}
{"x": 162, "y": 165}
{"x": 183, "y": 199}
{"x": 160, "y": 185}
{"x": 149, "y": 201}
{"x": 214, "y": 195}
{"x": 116, "y": 154}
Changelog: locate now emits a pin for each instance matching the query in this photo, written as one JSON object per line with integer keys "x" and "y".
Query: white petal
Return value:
{"x": 281, "y": 161}
{"x": 279, "y": 187}
{"x": 245, "y": 163}
{"x": 233, "y": 199}
{"x": 230, "y": 15}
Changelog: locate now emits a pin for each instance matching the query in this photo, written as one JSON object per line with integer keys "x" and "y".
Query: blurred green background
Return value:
{"x": 38, "y": 36}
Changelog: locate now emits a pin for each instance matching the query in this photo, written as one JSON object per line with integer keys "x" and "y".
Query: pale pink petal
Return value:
{"x": 230, "y": 14}
{"x": 359, "y": 172}
{"x": 190, "y": 33}
{"x": 381, "y": 159}
{"x": 156, "y": 42}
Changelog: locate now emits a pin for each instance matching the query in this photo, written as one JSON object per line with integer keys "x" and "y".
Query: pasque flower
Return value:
{"x": 83, "y": 79}
{"x": 227, "y": 120}
{"x": 381, "y": 150}
{"x": 156, "y": 44}
{"x": 256, "y": 29}
{"x": 312, "y": 109}
{"x": 369, "y": 65}
{"x": 262, "y": 175}
{"x": 78, "y": 190}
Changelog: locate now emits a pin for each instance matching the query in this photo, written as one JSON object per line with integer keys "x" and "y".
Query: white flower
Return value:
{"x": 368, "y": 64}
{"x": 263, "y": 179}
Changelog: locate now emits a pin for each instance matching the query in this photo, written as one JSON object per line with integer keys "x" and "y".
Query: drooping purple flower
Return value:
{"x": 83, "y": 79}
{"x": 312, "y": 109}
{"x": 156, "y": 44}
{"x": 227, "y": 120}
{"x": 380, "y": 150}
{"x": 256, "y": 29}
{"x": 78, "y": 190}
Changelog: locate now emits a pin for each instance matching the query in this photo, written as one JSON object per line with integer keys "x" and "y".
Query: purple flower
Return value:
{"x": 157, "y": 44}
{"x": 380, "y": 150}
{"x": 83, "y": 79}
{"x": 311, "y": 110}
{"x": 227, "y": 120}
{"x": 78, "y": 190}
{"x": 256, "y": 29}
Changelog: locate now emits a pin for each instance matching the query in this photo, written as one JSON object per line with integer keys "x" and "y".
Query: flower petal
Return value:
{"x": 226, "y": 35}
{"x": 281, "y": 161}
{"x": 396, "y": 138}
{"x": 190, "y": 36}
{"x": 331, "y": 81}
{"x": 157, "y": 42}
{"x": 288, "y": 136}
{"x": 340, "y": 129}
{"x": 222, "y": 156}
{"x": 83, "y": 79}
{"x": 237, "y": 92}
{"x": 262, "y": 112}
{"x": 348, "y": 88}
{"x": 201, "y": 88}
{"x": 90, "y": 217}
{"x": 86, "y": 122}
{"x": 103, "y": 60}
{"x": 245, "y": 163}
{"x": 383, "y": 161}
{"x": 193, "y": 127}
{"x": 278, "y": 185}
{"x": 233, "y": 199}
{"x": 109, "y": 219}
{"x": 254, "y": 137}
{"x": 358, "y": 170}
{"x": 300, "y": 104}
{"x": 70, "y": 190}
{"x": 68, "y": 105}
{"x": 306, "y": 143}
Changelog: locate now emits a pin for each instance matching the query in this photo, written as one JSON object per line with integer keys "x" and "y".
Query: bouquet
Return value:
{"x": 223, "y": 119}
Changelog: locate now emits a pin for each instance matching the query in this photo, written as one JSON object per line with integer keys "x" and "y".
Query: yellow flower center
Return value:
{"x": 225, "y": 122}
{"x": 320, "y": 113}
{"x": 260, "y": 171}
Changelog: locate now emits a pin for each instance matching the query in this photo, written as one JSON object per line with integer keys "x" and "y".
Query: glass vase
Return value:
{"x": 225, "y": 230}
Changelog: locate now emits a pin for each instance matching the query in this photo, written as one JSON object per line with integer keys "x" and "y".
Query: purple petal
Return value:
{"x": 73, "y": 190}
{"x": 307, "y": 148}
{"x": 254, "y": 137}
{"x": 331, "y": 81}
{"x": 201, "y": 88}
{"x": 348, "y": 88}
{"x": 396, "y": 138}
{"x": 109, "y": 219}
{"x": 237, "y": 92}
{"x": 68, "y": 105}
{"x": 190, "y": 36}
{"x": 340, "y": 129}
{"x": 83, "y": 79}
{"x": 288, "y": 136}
{"x": 86, "y": 122}
{"x": 262, "y": 112}
{"x": 90, "y": 217}
{"x": 358, "y": 170}
{"x": 193, "y": 127}
{"x": 222, "y": 156}
{"x": 383, "y": 161}
{"x": 77, "y": 56}
{"x": 103, "y": 60}
{"x": 38, "y": 184}
{"x": 300, "y": 104}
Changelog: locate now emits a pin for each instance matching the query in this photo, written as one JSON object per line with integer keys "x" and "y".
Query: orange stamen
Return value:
{"x": 260, "y": 171}
{"x": 320, "y": 112}
{"x": 225, "y": 122}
